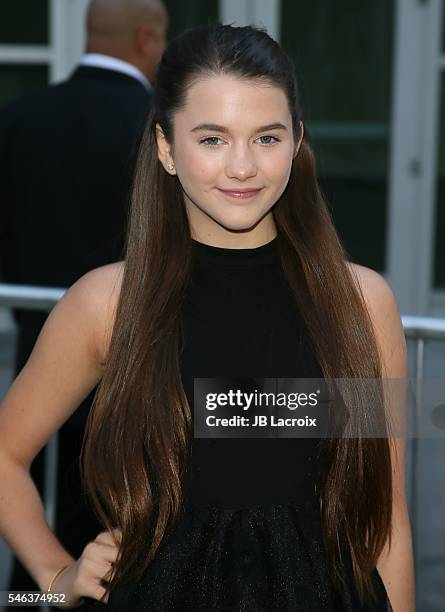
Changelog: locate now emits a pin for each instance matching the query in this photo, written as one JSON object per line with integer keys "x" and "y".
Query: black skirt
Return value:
{"x": 256, "y": 559}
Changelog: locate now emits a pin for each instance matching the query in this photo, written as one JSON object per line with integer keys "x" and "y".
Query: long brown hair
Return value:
{"x": 138, "y": 435}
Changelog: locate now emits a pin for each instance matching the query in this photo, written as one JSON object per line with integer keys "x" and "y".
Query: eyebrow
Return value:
{"x": 213, "y": 127}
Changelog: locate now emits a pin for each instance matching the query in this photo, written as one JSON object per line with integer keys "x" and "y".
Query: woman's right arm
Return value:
{"x": 63, "y": 368}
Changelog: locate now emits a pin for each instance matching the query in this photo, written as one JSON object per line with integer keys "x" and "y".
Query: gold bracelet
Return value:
{"x": 56, "y": 575}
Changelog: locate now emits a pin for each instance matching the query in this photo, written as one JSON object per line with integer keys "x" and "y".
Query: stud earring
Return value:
{"x": 171, "y": 167}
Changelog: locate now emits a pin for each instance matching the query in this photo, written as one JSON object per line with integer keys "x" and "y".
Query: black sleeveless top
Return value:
{"x": 249, "y": 537}
{"x": 240, "y": 323}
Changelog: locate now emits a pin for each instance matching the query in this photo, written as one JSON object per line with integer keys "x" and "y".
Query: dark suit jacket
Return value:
{"x": 67, "y": 155}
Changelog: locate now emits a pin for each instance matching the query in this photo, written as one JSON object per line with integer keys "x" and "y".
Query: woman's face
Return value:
{"x": 232, "y": 151}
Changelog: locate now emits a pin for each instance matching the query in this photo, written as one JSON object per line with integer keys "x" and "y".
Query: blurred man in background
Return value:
{"x": 66, "y": 161}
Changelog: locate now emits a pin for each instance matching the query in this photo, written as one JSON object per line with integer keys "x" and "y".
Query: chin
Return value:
{"x": 234, "y": 224}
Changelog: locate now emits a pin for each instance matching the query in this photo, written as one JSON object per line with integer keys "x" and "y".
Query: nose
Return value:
{"x": 241, "y": 165}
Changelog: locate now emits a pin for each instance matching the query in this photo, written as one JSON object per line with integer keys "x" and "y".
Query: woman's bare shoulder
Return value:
{"x": 100, "y": 288}
{"x": 376, "y": 290}
{"x": 104, "y": 279}
{"x": 385, "y": 315}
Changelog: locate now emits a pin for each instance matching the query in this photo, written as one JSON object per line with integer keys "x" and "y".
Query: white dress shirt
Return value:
{"x": 99, "y": 60}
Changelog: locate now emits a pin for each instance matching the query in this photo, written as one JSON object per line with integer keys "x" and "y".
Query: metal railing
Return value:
{"x": 420, "y": 329}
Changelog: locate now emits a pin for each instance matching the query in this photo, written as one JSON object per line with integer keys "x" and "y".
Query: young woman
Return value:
{"x": 233, "y": 269}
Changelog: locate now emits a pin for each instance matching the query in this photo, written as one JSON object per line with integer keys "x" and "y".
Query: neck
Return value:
{"x": 119, "y": 53}
{"x": 235, "y": 240}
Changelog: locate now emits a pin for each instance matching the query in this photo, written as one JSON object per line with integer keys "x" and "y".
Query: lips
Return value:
{"x": 240, "y": 193}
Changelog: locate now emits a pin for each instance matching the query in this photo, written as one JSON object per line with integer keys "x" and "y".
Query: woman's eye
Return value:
{"x": 210, "y": 140}
{"x": 268, "y": 142}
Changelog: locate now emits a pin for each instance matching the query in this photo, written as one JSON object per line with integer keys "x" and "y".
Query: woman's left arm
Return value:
{"x": 395, "y": 565}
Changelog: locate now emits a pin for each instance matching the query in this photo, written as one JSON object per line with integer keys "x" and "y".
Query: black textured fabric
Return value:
{"x": 249, "y": 537}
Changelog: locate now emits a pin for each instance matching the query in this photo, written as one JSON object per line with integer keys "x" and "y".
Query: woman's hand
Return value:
{"x": 83, "y": 578}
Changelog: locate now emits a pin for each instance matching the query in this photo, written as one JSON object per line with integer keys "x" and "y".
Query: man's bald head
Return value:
{"x": 118, "y": 19}
{"x": 121, "y": 28}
